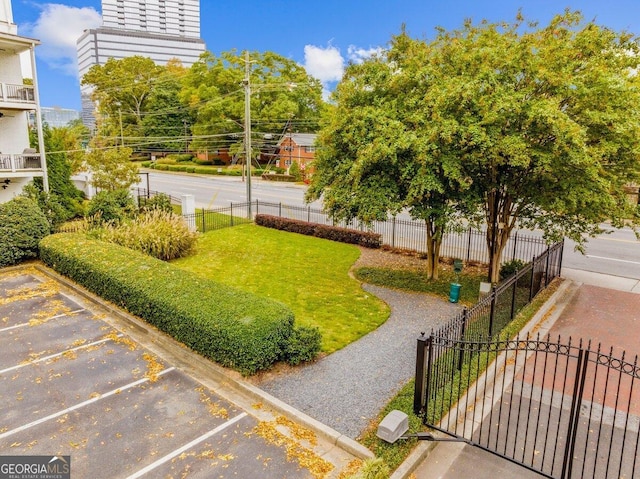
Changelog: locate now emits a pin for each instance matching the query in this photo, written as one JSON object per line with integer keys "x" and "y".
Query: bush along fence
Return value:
{"x": 469, "y": 245}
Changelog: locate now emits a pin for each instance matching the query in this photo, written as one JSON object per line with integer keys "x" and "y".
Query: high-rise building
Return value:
{"x": 157, "y": 29}
{"x": 55, "y": 116}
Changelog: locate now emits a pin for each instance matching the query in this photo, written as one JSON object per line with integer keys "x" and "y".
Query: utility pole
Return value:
{"x": 247, "y": 127}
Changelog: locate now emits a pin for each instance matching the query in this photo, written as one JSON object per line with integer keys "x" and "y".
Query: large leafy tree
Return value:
{"x": 122, "y": 89}
{"x": 526, "y": 125}
{"x": 544, "y": 120}
{"x": 282, "y": 91}
{"x": 375, "y": 157}
{"x": 166, "y": 123}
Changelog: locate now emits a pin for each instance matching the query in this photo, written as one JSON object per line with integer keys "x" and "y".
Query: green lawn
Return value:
{"x": 310, "y": 275}
{"x": 416, "y": 280}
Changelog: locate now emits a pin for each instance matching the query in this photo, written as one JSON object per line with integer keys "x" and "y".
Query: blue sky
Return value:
{"x": 322, "y": 36}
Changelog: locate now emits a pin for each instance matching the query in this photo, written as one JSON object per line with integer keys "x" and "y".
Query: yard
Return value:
{"x": 310, "y": 275}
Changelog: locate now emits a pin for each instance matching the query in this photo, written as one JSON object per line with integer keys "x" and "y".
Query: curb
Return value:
{"x": 541, "y": 322}
{"x": 207, "y": 372}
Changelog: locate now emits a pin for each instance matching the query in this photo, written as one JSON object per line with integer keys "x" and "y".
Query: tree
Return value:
{"x": 166, "y": 123}
{"x": 121, "y": 89}
{"x": 536, "y": 127}
{"x": 375, "y": 157}
{"x": 111, "y": 168}
{"x": 545, "y": 122}
{"x": 282, "y": 90}
{"x": 63, "y": 150}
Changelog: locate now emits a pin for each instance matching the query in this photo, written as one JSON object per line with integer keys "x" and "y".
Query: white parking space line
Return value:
{"x": 52, "y": 356}
{"x": 187, "y": 446}
{"x": 22, "y": 325}
{"x": 81, "y": 405}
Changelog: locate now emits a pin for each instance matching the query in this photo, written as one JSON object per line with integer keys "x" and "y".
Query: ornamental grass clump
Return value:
{"x": 158, "y": 233}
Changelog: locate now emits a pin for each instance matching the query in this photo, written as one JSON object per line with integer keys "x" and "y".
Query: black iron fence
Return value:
{"x": 480, "y": 323}
{"x": 563, "y": 410}
{"x": 468, "y": 244}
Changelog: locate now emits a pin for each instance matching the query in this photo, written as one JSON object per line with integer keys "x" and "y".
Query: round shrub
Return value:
{"x": 303, "y": 345}
{"x": 198, "y": 161}
{"x": 111, "y": 206}
{"x": 182, "y": 158}
{"x": 510, "y": 267}
{"x": 22, "y": 226}
{"x": 160, "y": 201}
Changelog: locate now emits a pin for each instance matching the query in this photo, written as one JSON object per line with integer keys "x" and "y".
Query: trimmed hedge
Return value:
{"x": 234, "y": 328}
{"x": 279, "y": 177}
{"x": 334, "y": 233}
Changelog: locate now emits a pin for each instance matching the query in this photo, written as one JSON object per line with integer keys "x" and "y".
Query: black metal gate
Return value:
{"x": 562, "y": 410}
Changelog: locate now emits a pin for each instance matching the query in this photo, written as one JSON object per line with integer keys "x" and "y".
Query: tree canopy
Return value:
{"x": 527, "y": 125}
{"x": 281, "y": 91}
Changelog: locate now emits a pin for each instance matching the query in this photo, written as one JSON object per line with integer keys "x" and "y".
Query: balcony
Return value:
{"x": 17, "y": 94}
{"x": 20, "y": 162}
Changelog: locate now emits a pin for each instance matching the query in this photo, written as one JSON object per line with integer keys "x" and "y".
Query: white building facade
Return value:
{"x": 158, "y": 29}
{"x": 19, "y": 163}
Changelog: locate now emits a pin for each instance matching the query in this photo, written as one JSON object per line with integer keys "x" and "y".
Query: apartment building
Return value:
{"x": 19, "y": 163}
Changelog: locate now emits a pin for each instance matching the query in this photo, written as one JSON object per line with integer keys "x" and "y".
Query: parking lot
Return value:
{"x": 72, "y": 383}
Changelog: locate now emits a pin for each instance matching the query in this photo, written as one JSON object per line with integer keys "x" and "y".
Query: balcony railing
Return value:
{"x": 17, "y": 93}
{"x": 20, "y": 162}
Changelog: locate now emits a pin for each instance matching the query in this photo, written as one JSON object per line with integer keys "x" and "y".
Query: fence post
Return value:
{"x": 515, "y": 243}
{"x": 231, "y": 214}
{"x": 393, "y": 232}
{"x": 469, "y": 245}
{"x": 257, "y": 206}
{"x": 546, "y": 270}
{"x": 204, "y": 224}
{"x": 493, "y": 310}
{"x": 280, "y": 209}
{"x": 465, "y": 318}
{"x": 533, "y": 274}
{"x": 574, "y": 414}
{"x": 561, "y": 256}
{"x": 419, "y": 389}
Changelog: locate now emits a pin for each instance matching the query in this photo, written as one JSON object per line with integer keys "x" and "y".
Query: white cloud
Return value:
{"x": 58, "y": 27}
{"x": 325, "y": 64}
{"x": 358, "y": 55}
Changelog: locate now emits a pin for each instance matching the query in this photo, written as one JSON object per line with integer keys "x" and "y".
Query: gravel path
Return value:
{"x": 347, "y": 389}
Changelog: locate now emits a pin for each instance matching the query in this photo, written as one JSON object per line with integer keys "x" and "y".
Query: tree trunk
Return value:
{"x": 434, "y": 242}
{"x": 500, "y": 222}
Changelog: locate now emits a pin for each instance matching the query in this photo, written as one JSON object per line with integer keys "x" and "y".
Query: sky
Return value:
{"x": 322, "y": 36}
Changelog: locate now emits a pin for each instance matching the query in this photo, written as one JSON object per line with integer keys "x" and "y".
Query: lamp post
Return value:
{"x": 247, "y": 128}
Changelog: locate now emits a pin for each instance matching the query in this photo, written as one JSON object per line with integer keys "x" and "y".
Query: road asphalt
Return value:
{"x": 589, "y": 306}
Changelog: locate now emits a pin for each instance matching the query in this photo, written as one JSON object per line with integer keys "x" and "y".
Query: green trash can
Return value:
{"x": 454, "y": 292}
